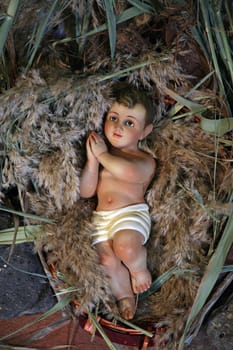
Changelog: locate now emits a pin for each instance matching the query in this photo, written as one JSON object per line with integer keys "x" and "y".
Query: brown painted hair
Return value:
{"x": 129, "y": 96}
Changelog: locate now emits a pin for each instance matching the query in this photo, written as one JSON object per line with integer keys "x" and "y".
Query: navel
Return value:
{"x": 109, "y": 200}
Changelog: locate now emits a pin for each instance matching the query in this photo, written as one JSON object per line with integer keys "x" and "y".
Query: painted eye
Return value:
{"x": 129, "y": 123}
{"x": 113, "y": 118}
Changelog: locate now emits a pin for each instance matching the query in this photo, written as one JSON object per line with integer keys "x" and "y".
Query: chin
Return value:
{"x": 115, "y": 142}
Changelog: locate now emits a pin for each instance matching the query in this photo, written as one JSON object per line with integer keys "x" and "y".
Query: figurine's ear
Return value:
{"x": 146, "y": 131}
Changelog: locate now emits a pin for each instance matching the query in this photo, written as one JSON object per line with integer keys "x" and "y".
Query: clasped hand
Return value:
{"x": 96, "y": 144}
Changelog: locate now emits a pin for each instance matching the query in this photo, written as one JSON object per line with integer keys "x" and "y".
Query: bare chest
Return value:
{"x": 110, "y": 183}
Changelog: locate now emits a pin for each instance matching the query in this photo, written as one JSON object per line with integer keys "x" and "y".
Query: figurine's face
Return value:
{"x": 124, "y": 126}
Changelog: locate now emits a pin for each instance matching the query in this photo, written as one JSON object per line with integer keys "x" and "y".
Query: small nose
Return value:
{"x": 120, "y": 125}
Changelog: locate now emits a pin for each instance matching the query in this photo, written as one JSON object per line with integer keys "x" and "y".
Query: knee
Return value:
{"x": 122, "y": 250}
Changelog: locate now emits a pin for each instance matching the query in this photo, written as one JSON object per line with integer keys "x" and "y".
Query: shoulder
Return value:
{"x": 151, "y": 163}
{"x": 148, "y": 161}
{"x": 147, "y": 157}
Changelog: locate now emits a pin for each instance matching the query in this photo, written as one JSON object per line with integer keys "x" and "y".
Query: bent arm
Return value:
{"x": 134, "y": 171}
{"x": 118, "y": 166}
{"x": 89, "y": 180}
{"x": 90, "y": 174}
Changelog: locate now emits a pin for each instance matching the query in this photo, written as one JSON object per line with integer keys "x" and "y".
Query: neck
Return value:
{"x": 118, "y": 151}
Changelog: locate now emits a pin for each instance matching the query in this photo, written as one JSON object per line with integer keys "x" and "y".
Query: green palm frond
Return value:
{"x": 24, "y": 234}
{"x": 124, "y": 16}
{"x": 38, "y": 35}
{"x": 8, "y": 19}
{"x": 111, "y": 24}
{"x": 210, "y": 277}
{"x": 26, "y": 215}
{"x": 212, "y": 35}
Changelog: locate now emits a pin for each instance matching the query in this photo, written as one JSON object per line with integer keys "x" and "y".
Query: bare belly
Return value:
{"x": 113, "y": 193}
{"x": 110, "y": 200}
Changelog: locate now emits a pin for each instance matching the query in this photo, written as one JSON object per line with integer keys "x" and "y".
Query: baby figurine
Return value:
{"x": 119, "y": 172}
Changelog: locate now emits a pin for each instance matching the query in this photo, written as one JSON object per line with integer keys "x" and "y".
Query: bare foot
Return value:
{"x": 141, "y": 281}
{"x": 127, "y": 307}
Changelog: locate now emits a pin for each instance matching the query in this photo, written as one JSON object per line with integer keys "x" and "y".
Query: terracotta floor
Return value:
{"x": 58, "y": 335}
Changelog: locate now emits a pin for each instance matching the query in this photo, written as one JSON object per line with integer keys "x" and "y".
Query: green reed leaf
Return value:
{"x": 210, "y": 277}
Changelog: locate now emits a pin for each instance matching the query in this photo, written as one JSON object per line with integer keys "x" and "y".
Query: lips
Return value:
{"x": 116, "y": 134}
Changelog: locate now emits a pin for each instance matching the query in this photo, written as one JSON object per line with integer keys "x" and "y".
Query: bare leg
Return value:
{"x": 119, "y": 279}
{"x": 128, "y": 247}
